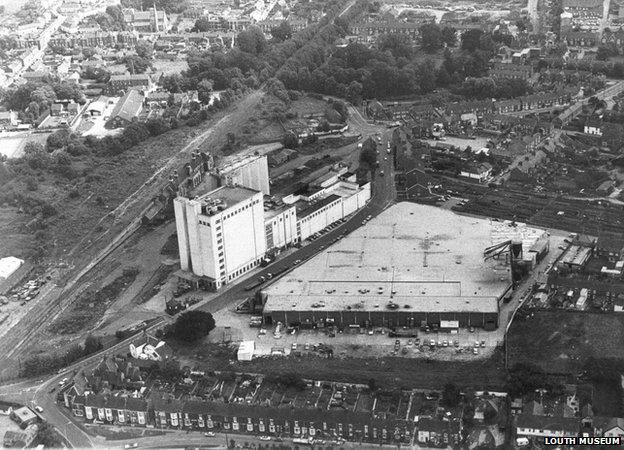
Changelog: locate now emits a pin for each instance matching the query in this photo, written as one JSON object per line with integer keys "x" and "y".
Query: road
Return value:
{"x": 53, "y": 300}
{"x": 38, "y": 392}
{"x": 605, "y": 94}
{"x": 382, "y": 195}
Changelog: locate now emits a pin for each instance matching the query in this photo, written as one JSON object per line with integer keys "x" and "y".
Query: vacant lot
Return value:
{"x": 562, "y": 341}
{"x": 273, "y": 118}
{"x": 387, "y": 372}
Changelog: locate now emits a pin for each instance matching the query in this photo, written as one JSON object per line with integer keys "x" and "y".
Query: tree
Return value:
{"x": 471, "y": 40}
{"x": 48, "y": 436}
{"x": 193, "y": 325}
{"x": 68, "y": 91}
{"x": 398, "y": 44}
{"x": 289, "y": 380}
{"x": 290, "y": 140}
{"x": 136, "y": 64}
{"x": 44, "y": 95}
{"x": 115, "y": 17}
{"x": 203, "y": 24}
{"x": 449, "y": 36}
{"x": 252, "y": 41}
{"x": 172, "y": 83}
{"x": 134, "y": 133}
{"x": 605, "y": 52}
{"x": 157, "y": 126}
{"x": 354, "y": 92}
{"x": 450, "y": 395}
{"x": 36, "y": 156}
{"x": 282, "y": 32}
{"x": 368, "y": 154}
{"x": 89, "y": 52}
{"x": 204, "y": 91}
{"x": 58, "y": 139}
{"x": 92, "y": 344}
{"x": 144, "y": 49}
{"x": 99, "y": 74}
{"x": 431, "y": 37}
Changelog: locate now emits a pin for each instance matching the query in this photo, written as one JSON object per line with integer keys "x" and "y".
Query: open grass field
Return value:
{"x": 561, "y": 342}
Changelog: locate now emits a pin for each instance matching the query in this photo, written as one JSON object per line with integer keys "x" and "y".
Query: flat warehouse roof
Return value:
{"x": 418, "y": 255}
{"x": 230, "y": 194}
{"x": 371, "y": 303}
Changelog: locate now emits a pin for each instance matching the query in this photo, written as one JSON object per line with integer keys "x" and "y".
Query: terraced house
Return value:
{"x": 250, "y": 404}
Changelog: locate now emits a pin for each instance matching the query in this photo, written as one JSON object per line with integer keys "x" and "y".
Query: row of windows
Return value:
{"x": 242, "y": 208}
{"x": 241, "y": 271}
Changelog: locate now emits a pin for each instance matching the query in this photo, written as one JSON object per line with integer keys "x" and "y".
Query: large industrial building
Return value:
{"x": 227, "y": 223}
{"x": 221, "y": 233}
{"x": 412, "y": 265}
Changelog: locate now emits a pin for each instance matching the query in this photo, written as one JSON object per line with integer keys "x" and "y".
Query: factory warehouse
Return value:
{"x": 412, "y": 266}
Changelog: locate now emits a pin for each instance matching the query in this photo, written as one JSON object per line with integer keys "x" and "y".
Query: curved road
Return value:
{"x": 43, "y": 392}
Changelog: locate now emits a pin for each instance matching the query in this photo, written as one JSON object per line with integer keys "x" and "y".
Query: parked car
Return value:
{"x": 209, "y": 434}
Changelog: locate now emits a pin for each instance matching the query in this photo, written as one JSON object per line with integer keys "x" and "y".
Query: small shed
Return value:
{"x": 246, "y": 350}
{"x": 9, "y": 265}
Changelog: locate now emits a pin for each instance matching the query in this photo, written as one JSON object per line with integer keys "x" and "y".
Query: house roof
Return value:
{"x": 135, "y": 77}
{"x": 437, "y": 425}
{"x": 609, "y": 423}
{"x": 546, "y": 423}
{"x": 129, "y": 106}
{"x": 115, "y": 402}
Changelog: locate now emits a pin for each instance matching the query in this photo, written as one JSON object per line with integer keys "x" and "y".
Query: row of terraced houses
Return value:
{"x": 162, "y": 412}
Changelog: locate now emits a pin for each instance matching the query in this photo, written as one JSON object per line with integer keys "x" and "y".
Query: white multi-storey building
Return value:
{"x": 224, "y": 233}
{"x": 251, "y": 171}
{"x": 221, "y": 234}
{"x": 280, "y": 227}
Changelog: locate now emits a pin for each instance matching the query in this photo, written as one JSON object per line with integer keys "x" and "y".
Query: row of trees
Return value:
{"x": 49, "y": 362}
{"x": 32, "y": 99}
{"x": 356, "y": 71}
